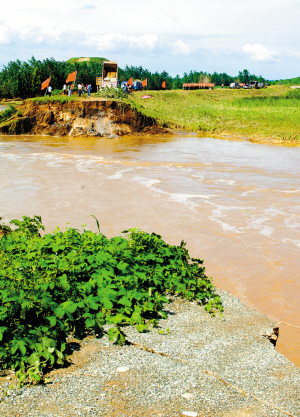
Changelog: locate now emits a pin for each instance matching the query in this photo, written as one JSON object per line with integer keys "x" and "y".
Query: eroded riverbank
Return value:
{"x": 97, "y": 117}
{"x": 235, "y": 203}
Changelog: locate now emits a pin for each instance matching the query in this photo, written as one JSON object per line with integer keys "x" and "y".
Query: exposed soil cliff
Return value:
{"x": 80, "y": 118}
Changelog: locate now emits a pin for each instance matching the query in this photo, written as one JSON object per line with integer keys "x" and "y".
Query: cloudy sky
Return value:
{"x": 173, "y": 35}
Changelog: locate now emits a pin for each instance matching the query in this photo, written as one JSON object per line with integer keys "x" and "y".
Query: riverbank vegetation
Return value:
{"x": 78, "y": 282}
{"x": 23, "y": 79}
{"x": 8, "y": 113}
{"x": 267, "y": 114}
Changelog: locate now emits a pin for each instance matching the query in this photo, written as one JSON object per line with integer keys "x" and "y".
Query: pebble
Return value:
{"x": 187, "y": 396}
{"x": 123, "y": 369}
{"x": 198, "y": 352}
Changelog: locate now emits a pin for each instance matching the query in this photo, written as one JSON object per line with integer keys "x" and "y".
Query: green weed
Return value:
{"x": 53, "y": 99}
{"x": 8, "y": 113}
{"x": 76, "y": 282}
{"x": 110, "y": 92}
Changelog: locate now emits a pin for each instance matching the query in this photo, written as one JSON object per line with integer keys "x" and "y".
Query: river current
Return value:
{"x": 235, "y": 203}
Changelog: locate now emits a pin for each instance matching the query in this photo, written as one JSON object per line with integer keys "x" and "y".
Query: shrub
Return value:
{"x": 7, "y": 114}
{"x": 111, "y": 92}
{"x": 77, "y": 282}
{"x": 57, "y": 92}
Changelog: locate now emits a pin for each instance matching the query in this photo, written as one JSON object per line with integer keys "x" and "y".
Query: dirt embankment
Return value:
{"x": 80, "y": 118}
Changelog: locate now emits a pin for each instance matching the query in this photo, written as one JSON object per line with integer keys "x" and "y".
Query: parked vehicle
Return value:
{"x": 256, "y": 84}
{"x": 234, "y": 85}
{"x": 137, "y": 85}
{"x": 246, "y": 86}
{"x": 109, "y": 75}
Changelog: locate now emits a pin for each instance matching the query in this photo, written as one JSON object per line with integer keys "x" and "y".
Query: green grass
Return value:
{"x": 98, "y": 60}
{"x": 289, "y": 81}
{"x": 53, "y": 99}
{"x": 271, "y": 113}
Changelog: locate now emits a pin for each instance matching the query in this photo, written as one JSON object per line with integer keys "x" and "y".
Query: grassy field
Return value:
{"x": 271, "y": 114}
{"x": 289, "y": 81}
{"x": 83, "y": 59}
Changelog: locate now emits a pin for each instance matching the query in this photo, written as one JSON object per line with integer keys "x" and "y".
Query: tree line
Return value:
{"x": 23, "y": 79}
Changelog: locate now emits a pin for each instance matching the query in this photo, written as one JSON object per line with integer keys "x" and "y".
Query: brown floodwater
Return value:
{"x": 235, "y": 203}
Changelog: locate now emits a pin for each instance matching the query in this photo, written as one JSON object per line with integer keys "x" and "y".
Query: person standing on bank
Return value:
{"x": 69, "y": 91}
{"x": 49, "y": 90}
{"x": 79, "y": 89}
{"x": 89, "y": 87}
{"x": 65, "y": 89}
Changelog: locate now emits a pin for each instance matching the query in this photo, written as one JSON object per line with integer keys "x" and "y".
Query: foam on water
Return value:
{"x": 176, "y": 197}
{"x": 10, "y": 156}
{"x": 256, "y": 222}
{"x": 293, "y": 222}
{"x": 119, "y": 174}
{"x": 293, "y": 241}
{"x": 229, "y": 182}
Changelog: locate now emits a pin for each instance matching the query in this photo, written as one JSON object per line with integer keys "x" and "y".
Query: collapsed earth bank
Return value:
{"x": 79, "y": 118}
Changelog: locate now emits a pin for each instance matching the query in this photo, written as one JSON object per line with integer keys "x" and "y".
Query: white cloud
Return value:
{"x": 31, "y": 34}
{"x": 5, "y": 34}
{"x": 102, "y": 42}
{"x": 295, "y": 54}
{"x": 258, "y": 52}
{"x": 147, "y": 41}
{"x": 113, "y": 41}
{"x": 181, "y": 48}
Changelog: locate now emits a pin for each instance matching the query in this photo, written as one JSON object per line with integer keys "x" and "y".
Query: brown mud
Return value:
{"x": 106, "y": 118}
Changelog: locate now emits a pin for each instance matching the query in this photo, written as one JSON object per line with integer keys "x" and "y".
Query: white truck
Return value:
{"x": 109, "y": 75}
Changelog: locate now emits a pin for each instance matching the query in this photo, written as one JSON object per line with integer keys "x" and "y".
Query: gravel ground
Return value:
{"x": 192, "y": 365}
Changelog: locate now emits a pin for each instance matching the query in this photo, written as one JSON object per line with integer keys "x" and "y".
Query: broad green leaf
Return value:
{"x": 22, "y": 348}
{"x": 69, "y": 306}
{"x": 107, "y": 303}
{"x": 2, "y": 331}
{"x": 52, "y": 321}
{"x": 124, "y": 301}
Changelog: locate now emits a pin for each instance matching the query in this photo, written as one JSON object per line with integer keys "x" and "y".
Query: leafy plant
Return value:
{"x": 78, "y": 282}
{"x": 111, "y": 92}
{"x": 57, "y": 92}
{"x": 7, "y": 114}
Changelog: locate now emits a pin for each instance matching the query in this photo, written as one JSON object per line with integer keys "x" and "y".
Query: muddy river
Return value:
{"x": 235, "y": 203}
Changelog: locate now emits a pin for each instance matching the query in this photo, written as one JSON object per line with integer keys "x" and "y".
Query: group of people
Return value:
{"x": 128, "y": 88}
{"x": 81, "y": 89}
